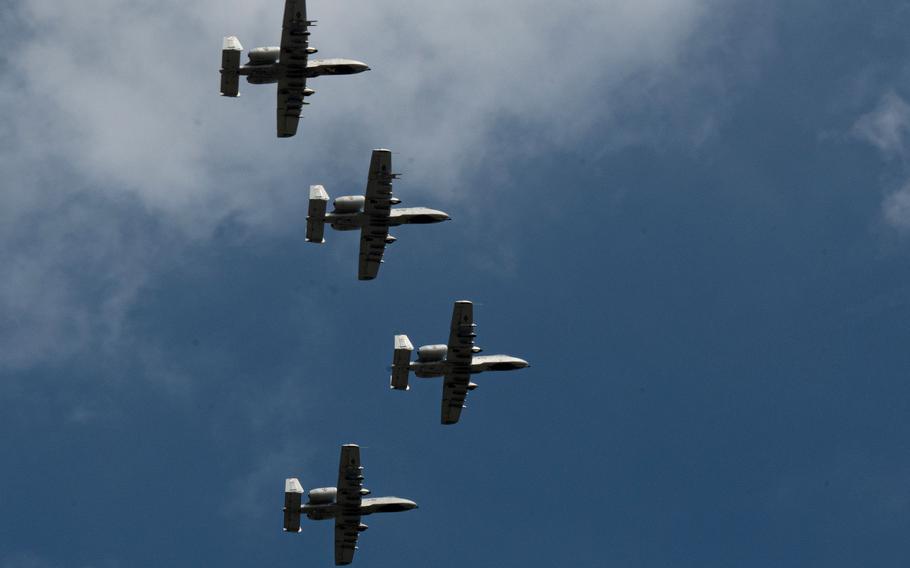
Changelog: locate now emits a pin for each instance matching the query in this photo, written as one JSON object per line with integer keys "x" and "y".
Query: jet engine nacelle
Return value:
{"x": 264, "y": 55}
{"x": 349, "y": 204}
{"x": 322, "y": 495}
{"x": 432, "y": 353}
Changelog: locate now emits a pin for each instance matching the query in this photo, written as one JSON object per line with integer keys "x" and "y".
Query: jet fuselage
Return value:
{"x": 399, "y": 216}
{"x": 262, "y": 69}
{"x": 368, "y": 506}
{"x": 479, "y": 364}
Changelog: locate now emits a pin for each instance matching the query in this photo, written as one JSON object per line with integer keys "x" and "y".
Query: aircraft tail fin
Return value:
{"x": 293, "y": 495}
{"x": 315, "y": 221}
{"x": 230, "y": 67}
{"x": 401, "y": 363}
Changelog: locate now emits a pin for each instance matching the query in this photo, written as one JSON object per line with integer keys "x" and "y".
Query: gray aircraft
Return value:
{"x": 345, "y": 503}
{"x": 372, "y": 214}
{"x": 455, "y": 361}
{"x": 288, "y": 65}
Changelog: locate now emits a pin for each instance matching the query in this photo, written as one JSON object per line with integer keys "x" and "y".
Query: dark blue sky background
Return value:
{"x": 718, "y": 332}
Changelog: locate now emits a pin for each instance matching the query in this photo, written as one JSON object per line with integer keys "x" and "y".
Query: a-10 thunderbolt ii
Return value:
{"x": 456, "y": 362}
{"x": 345, "y": 503}
{"x": 288, "y": 65}
{"x": 371, "y": 213}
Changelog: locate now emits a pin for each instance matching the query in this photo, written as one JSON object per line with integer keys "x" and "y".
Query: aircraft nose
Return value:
{"x": 350, "y": 67}
{"x": 521, "y": 363}
{"x": 410, "y": 504}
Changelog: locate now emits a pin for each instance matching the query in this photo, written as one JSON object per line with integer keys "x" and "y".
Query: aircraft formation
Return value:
{"x": 373, "y": 214}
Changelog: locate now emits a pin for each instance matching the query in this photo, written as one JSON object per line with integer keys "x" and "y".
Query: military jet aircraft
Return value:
{"x": 287, "y": 65}
{"x": 455, "y": 361}
{"x": 372, "y": 214}
{"x": 344, "y": 503}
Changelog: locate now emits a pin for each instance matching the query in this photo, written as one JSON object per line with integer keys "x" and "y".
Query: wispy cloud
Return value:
{"x": 264, "y": 481}
{"x": 886, "y": 127}
{"x": 896, "y": 208}
{"x": 68, "y": 278}
{"x": 26, "y": 560}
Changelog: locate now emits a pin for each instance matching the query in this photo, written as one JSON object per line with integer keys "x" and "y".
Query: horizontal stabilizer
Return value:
{"x": 315, "y": 221}
{"x": 231, "y": 43}
{"x": 401, "y": 362}
{"x": 230, "y": 67}
{"x": 293, "y": 494}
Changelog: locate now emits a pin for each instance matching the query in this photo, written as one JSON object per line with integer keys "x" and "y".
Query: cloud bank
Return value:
{"x": 117, "y": 149}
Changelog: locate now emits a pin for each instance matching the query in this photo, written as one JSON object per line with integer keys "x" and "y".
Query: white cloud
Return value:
{"x": 128, "y": 91}
{"x": 68, "y": 277}
{"x": 896, "y": 209}
{"x": 887, "y": 126}
{"x": 113, "y": 119}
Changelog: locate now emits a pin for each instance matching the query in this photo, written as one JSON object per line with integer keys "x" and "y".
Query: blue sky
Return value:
{"x": 693, "y": 218}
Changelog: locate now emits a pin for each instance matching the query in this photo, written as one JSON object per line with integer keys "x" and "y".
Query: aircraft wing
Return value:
{"x": 377, "y": 208}
{"x": 290, "y": 101}
{"x": 454, "y": 393}
{"x": 295, "y": 39}
{"x": 459, "y": 357}
{"x": 349, "y": 500}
